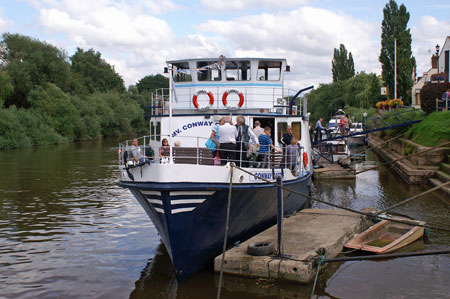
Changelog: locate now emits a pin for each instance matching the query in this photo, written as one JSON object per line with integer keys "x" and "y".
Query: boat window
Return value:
{"x": 158, "y": 131}
{"x": 237, "y": 70}
{"x": 152, "y": 130}
{"x": 281, "y": 129}
{"x": 181, "y": 72}
{"x": 297, "y": 130}
{"x": 209, "y": 71}
{"x": 269, "y": 70}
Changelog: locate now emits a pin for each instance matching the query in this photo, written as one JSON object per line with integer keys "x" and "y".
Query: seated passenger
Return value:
{"x": 164, "y": 150}
{"x": 135, "y": 153}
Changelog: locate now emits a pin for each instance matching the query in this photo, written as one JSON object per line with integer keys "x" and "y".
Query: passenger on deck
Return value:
{"x": 164, "y": 150}
{"x": 265, "y": 146}
{"x": 292, "y": 153}
{"x": 215, "y": 136}
{"x": 245, "y": 134}
{"x": 228, "y": 135}
{"x": 257, "y": 129}
{"x": 135, "y": 153}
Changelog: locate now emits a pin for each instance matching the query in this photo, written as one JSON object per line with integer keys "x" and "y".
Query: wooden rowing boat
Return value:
{"x": 387, "y": 236}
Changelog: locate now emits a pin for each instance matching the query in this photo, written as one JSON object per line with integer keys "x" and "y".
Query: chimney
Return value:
{"x": 434, "y": 61}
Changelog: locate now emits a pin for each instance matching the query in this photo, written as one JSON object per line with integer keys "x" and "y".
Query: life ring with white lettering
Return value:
{"x": 305, "y": 159}
{"x": 241, "y": 99}
{"x": 195, "y": 100}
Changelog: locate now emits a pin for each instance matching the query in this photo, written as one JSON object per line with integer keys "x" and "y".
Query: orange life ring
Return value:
{"x": 195, "y": 100}
{"x": 241, "y": 99}
{"x": 305, "y": 159}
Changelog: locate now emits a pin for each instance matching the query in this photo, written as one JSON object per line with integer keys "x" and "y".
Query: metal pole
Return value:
{"x": 280, "y": 214}
{"x": 395, "y": 68}
{"x": 170, "y": 113}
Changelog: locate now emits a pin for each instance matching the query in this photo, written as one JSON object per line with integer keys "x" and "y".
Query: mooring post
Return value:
{"x": 280, "y": 214}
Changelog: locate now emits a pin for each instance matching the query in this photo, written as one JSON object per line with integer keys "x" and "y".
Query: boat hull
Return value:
{"x": 190, "y": 217}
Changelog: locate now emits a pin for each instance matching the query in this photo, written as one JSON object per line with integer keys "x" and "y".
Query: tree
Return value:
{"x": 31, "y": 63}
{"x": 394, "y": 27}
{"x": 94, "y": 72}
{"x": 6, "y": 88}
{"x": 152, "y": 82}
{"x": 342, "y": 65}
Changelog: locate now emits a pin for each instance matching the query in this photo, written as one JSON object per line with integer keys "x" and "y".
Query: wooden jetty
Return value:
{"x": 303, "y": 235}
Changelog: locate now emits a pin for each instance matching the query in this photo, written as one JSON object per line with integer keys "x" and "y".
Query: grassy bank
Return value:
{"x": 432, "y": 131}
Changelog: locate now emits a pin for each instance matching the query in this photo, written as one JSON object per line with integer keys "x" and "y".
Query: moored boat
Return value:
{"x": 387, "y": 236}
{"x": 183, "y": 192}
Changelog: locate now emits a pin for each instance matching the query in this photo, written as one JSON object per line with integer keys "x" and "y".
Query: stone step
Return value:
{"x": 436, "y": 182}
{"x": 442, "y": 176}
{"x": 445, "y": 167}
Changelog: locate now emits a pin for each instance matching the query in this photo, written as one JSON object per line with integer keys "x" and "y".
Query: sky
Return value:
{"x": 137, "y": 37}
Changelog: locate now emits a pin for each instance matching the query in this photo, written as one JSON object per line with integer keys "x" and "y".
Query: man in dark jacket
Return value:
{"x": 245, "y": 135}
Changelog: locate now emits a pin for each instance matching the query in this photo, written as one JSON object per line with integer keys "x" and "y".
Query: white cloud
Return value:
{"x": 4, "y": 23}
{"x": 426, "y": 35}
{"x": 239, "y": 5}
{"x": 306, "y": 37}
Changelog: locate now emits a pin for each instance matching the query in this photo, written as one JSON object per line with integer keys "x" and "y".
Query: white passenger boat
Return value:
{"x": 185, "y": 194}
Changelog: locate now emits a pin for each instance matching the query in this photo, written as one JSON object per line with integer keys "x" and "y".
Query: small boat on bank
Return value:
{"x": 357, "y": 128}
{"x": 387, "y": 236}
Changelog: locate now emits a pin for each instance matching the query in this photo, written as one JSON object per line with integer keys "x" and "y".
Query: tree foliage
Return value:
{"x": 394, "y": 27}
{"x": 152, "y": 82}
{"x": 361, "y": 91}
{"x": 6, "y": 87}
{"x": 342, "y": 65}
{"x": 31, "y": 63}
{"x": 95, "y": 74}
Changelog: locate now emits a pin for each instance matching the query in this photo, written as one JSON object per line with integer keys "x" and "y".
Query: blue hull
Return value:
{"x": 190, "y": 217}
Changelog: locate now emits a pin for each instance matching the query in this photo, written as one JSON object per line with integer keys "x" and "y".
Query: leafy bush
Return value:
{"x": 429, "y": 93}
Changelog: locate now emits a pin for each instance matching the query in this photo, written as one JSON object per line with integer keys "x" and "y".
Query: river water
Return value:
{"x": 68, "y": 231}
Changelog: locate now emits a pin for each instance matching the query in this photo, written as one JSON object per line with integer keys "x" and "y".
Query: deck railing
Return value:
{"x": 200, "y": 155}
{"x": 269, "y": 99}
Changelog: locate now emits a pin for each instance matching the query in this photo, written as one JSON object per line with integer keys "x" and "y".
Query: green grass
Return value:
{"x": 432, "y": 131}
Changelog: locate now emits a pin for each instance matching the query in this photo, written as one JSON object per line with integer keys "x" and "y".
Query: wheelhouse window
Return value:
{"x": 181, "y": 72}
{"x": 296, "y": 130}
{"x": 237, "y": 70}
{"x": 269, "y": 70}
{"x": 209, "y": 71}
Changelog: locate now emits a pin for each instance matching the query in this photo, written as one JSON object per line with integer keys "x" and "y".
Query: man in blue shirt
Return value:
{"x": 319, "y": 129}
{"x": 265, "y": 146}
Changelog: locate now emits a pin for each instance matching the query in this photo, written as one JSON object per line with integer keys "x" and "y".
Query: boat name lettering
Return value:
{"x": 192, "y": 125}
{"x": 264, "y": 175}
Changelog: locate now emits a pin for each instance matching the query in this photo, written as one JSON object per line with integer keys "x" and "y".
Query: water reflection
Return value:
{"x": 67, "y": 230}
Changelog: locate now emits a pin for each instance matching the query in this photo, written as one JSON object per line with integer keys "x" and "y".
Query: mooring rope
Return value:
{"x": 232, "y": 165}
{"x": 320, "y": 262}
{"x": 403, "y": 158}
{"x": 335, "y": 205}
{"x": 375, "y": 146}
